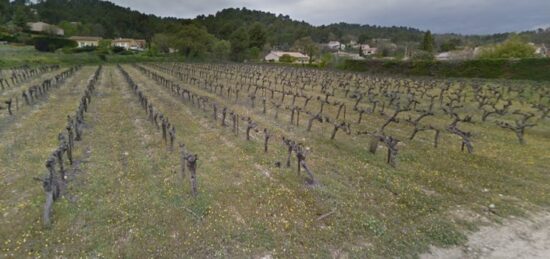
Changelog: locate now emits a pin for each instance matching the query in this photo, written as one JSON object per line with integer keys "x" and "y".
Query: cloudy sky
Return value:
{"x": 459, "y": 16}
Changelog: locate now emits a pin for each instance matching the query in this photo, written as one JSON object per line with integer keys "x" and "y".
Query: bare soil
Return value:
{"x": 515, "y": 238}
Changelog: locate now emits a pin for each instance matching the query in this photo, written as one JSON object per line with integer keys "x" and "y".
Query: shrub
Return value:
{"x": 84, "y": 49}
{"x": 514, "y": 47}
{"x": 529, "y": 69}
{"x": 51, "y": 44}
{"x": 117, "y": 49}
{"x": 287, "y": 59}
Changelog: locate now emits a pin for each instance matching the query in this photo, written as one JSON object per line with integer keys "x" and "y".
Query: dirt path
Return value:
{"x": 515, "y": 238}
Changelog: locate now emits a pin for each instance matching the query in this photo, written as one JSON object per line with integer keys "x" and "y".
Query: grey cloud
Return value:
{"x": 458, "y": 16}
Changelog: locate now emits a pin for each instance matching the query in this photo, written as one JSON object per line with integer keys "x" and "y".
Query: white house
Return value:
{"x": 274, "y": 56}
{"x": 336, "y": 45}
{"x": 133, "y": 44}
{"x": 45, "y": 28}
{"x": 540, "y": 50}
{"x": 85, "y": 41}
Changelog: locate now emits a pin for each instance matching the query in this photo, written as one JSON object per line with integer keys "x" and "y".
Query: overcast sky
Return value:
{"x": 440, "y": 16}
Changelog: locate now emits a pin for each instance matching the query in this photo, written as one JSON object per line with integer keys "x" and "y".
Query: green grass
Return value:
{"x": 127, "y": 199}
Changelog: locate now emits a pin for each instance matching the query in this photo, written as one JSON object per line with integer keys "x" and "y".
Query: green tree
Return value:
{"x": 20, "y": 17}
{"x": 258, "y": 36}
{"x": 307, "y": 46}
{"x": 326, "y": 60}
{"x": 163, "y": 42}
{"x": 239, "y": 44}
{"x": 450, "y": 44}
{"x": 5, "y": 10}
{"x": 193, "y": 41}
{"x": 428, "y": 42}
{"x": 514, "y": 47}
{"x": 221, "y": 50}
{"x": 70, "y": 29}
{"x": 364, "y": 38}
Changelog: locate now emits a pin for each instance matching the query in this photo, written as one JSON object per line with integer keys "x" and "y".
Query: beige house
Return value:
{"x": 85, "y": 41}
{"x": 129, "y": 44}
{"x": 367, "y": 50}
{"x": 274, "y": 56}
{"x": 43, "y": 27}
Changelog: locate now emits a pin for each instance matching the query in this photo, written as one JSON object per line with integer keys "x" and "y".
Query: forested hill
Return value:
{"x": 282, "y": 30}
{"x": 102, "y": 18}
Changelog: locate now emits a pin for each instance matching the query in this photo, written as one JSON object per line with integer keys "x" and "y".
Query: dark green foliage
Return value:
{"x": 450, "y": 44}
{"x": 7, "y": 37}
{"x": 428, "y": 42}
{"x": 528, "y": 69}
{"x": 193, "y": 41}
{"x": 258, "y": 36}
{"x": 117, "y": 49}
{"x": 100, "y": 18}
{"x": 239, "y": 44}
{"x": 4, "y": 10}
{"x": 20, "y": 17}
{"x": 84, "y": 49}
{"x": 51, "y": 44}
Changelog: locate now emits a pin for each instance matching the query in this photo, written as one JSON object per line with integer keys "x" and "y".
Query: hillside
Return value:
{"x": 106, "y": 19}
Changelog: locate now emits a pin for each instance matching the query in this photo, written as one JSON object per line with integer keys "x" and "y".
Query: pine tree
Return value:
{"x": 428, "y": 42}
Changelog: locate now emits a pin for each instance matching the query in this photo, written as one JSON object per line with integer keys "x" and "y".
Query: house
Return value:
{"x": 85, "y": 41}
{"x": 274, "y": 56}
{"x": 367, "y": 50}
{"x": 336, "y": 45}
{"x": 129, "y": 44}
{"x": 42, "y": 27}
{"x": 347, "y": 55}
{"x": 540, "y": 50}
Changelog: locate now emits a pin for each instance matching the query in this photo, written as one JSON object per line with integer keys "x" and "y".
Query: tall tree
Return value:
{"x": 20, "y": 17}
{"x": 428, "y": 42}
{"x": 239, "y": 44}
{"x": 193, "y": 41}
{"x": 5, "y": 13}
{"x": 258, "y": 36}
{"x": 221, "y": 50}
{"x": 307, "y": 46}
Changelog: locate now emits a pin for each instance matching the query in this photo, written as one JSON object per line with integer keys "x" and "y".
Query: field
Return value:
{"x": 343, "y": 174}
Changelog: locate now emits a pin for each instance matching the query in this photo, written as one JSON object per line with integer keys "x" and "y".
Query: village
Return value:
{"x": 373, "y": 49}
{"x": 88, "y": 41}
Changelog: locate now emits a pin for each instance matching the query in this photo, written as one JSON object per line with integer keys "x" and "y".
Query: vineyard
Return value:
{"x": 242, "y": 160}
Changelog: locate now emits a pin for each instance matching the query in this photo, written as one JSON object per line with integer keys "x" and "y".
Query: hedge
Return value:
{"x": 51, "y": 44}
{"x": 528, "y": 69}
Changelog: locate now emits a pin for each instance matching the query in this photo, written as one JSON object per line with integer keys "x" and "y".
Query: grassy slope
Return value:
{"x": 126, "y": 199}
